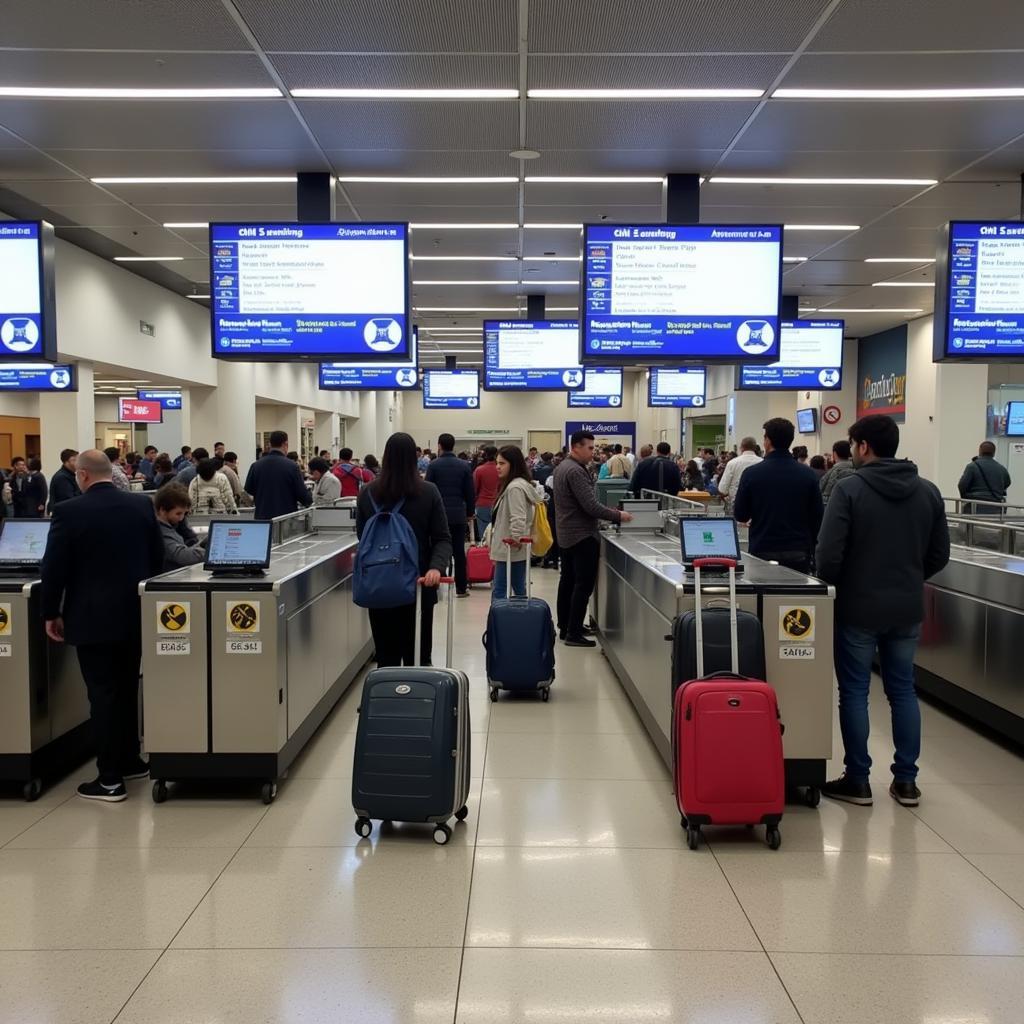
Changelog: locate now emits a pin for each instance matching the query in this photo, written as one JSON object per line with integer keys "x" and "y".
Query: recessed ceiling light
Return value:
{"x": 901, "y": 259}
{"x": 823, "y": 181}
{"x": 524, "y": 154}
{"x": 103, "y": 93}
{"x": 406, "y": 94}
{"x": 465, "y": 259}
{"x": 794, "y": 259}
{"x": 549, "y": 179}
{"x": 395, "y": 180}
{"x": 822, "y": 227}
{"x": 644, "y": 94}
{"x": 180, "y": 224}
{"x": 903, "y": 284}
{"x": 970, "y": 93}
{"x": 148, "y": 259}
{"x": 464, "y": 227}
{"x": 838, "y": 309}
{"x": 289, "y": 179}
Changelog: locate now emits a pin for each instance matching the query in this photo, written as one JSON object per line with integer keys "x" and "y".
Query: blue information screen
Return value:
{"x": 811, "y": 358}
{"x": 985, "y": 289}
{"x": 22, "y": 330}
{"x": 451, "y": 389}
{"x": 532, "y": 355}
{"x": 602, "y": 389}
{"x": 325, "y": 291}
{"x": 682, "y": 388}
{"x": 396, "y": 376}
{"x": 38, "y": 377}
{"x": 1015, "y": 419}
{"x": 658, "y": 291}
{"x": 238, "y": 543}
{"x": 167, "y": 399}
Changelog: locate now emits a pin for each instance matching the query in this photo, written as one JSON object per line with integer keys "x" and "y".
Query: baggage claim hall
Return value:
{"x": 512, "y": 512}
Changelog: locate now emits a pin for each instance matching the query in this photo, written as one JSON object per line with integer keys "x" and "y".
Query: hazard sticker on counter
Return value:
{"x": 243, "y": 617}
{"x": 5, "y": 620}
{"x": 796, "y": 652}
{"x": 796, "y": 624}
{"x": 174, "y": 617}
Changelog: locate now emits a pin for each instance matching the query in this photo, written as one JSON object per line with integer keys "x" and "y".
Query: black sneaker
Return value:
{"x": 111, "y": 793}
{"x": 847, "y": 790}
{"x": 906, "y": 794}
{"x": 579, "y": 641}
{"x": 462, "y": 593}
{"x": 138, "y": 770}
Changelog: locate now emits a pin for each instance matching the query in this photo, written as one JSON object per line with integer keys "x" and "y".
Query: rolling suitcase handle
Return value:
{"x": 450, "y": 580}
{"x": 508, "y": 542}
{"x": 730, "y": 564}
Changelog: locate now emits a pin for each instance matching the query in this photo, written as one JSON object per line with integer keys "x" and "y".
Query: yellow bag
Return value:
{"x": 540, "y": 531}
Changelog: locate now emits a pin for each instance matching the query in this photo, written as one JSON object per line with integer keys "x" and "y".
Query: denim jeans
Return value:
{"x": 499, "y": 588}
{"x": 483, "y": 520}
{"x": 854, "y": 651}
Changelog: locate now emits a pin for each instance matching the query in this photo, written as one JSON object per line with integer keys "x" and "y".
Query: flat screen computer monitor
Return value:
{"x": 238, "y": 546}
{"x": 806, "y": 421}
{"x": 708, "y": 538}
{"x": 23, "y": 541}
{"x": 1015, "y": 419}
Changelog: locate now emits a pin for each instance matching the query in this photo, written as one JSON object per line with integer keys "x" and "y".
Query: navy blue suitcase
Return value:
{"x": 520, "y": 642}
{"x": 411, "y": 759}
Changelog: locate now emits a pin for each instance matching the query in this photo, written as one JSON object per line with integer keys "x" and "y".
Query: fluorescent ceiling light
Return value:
{"x": 552, "y": 259}
{"x": 466, "y": 259}
{"x": 148, "y": 259}
{"x": 464, "y": 227}
{"x": 822, "y": 227}
{"x": 180, "y": 224}
{"x": 794, "y": 259}
{"x": 823, "y": 181}
{"x": 197, "y": 296}
{"x": 837, "y": 309}
{"x": 466, "y": 309}
{"x": 1002, "y": 92}
{"x": 644, "y": 94}
{"x": 255, "y": 180}
{"x": 486, "y": 282}
{"x": 451, "y": 330}
{"x": 562, "y": 309}
{"x": 808, "y": 309}
{"x": 103, "y": 93}
{"x": 550, "y": 226}
{"x": 568, "y": 280}
{"x": 406, "y": 94}
{"x": 903, "y": 284}
{"x": 395, "y": 180}
{"x": 593, "y": 180}
{"x": 900, "y": 259}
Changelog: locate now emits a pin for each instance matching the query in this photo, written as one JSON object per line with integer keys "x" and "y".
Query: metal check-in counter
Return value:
{"x": 44, "y": 708}
{"x": 642, "y": 589}
{"x": 239, "y": 673}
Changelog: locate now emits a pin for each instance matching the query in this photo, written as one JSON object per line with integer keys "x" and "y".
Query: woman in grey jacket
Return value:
{"x": 512, "y": 518}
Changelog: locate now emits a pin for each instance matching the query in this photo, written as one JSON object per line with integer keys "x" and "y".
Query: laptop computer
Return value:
{"x": 22, "y": 544}
{"x": 708, "y": 537}
{"x": 236, "y": 547}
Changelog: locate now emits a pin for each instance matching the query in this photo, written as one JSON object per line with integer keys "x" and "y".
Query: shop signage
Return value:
{"x": 602, "y": 428}
{"x": 882, "y": 374}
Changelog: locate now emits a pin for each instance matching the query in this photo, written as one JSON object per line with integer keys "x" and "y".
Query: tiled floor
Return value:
{"x": 567, "y": 896}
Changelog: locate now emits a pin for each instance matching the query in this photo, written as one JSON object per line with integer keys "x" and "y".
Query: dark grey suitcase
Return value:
{"x": 717, "y": 645}
{"x": 412, "y": 752}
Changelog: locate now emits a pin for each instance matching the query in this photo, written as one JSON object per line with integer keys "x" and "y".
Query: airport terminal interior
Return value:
{"x": 522, "y": 225}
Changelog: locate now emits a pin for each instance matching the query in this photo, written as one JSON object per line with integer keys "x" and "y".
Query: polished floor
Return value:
{"x": 567, "y": 896}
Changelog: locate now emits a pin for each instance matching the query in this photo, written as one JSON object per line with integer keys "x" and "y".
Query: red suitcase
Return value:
{"x": 479, "y": 567}
{"x": 727, "y": 740}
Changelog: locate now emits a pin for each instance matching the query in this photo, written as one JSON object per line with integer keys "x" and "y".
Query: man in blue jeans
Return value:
{"x": 884, "y": 533}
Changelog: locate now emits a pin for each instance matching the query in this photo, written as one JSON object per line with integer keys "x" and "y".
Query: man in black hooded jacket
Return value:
{"x": 884, "y": 534}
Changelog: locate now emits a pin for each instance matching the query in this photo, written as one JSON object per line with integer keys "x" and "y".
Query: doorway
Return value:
{"x": 545, "y": 441}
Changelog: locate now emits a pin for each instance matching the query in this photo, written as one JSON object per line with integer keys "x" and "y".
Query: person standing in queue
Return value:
{"x": 394, "y": 629}
{"x": 577, "y": 513}
{"x": 275, "y": 481}
{"x": 884, "y": 534}
{"x": 485, "y": 480}
{"x": 781, "y": 500}
{"x": 984, "y": 480}
{"x": 86, "y": 592}
{"x": 63, "y": 485}
{"x": 454, "y": 479}
{"x": 657, "y": 474}
{"x": 28, "y": 489}
{"x": 513, "y": 514}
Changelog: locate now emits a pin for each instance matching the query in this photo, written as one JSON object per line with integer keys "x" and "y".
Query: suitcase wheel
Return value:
{"x": 462, "y": 813}
{"x": 693, "y": 836}
{"x": 268, "y": 791}
{"x": 494, "y": 694}
{"x": 442, "y": 833}
{"x": 364, "y": 827}
{"x": 813, "y": 796}
{"x": 774, "y": 837}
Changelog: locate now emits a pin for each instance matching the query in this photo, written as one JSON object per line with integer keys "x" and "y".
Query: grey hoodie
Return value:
{"x": 884, "y": 533}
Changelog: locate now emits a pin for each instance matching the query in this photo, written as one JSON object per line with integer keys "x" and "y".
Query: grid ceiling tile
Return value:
{"x": 1004, "y": 165}
{"x": 115, "y": 215}
{"x": 409, "y": 196}
{"x": 885, "y": 241}
{"x": 633, "y": 160}
{"x": 225, "y": 210}
{"x": 903, "y": 70}
{"x": 755, "y": 71}
{"x": 593, "y": 194}
{"x": 189, "y": 162}
{"x": 443, "y": 163}
{"x": 28, "y": 163}
{"x": 150, "y": 241}
{"x": 394, "y": 71}
{"x": 442, "y": 215}
{"x": 864, "y": 163}
{"x": 59, "y": 193}
{"x": 617, "y": 213}
{"x": 202, "y": 195}
{"x": 835, "y": 198}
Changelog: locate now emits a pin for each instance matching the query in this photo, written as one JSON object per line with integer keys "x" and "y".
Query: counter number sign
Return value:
{"x": 5, "y": 620}
{"x": 173, "y": 617}
{"x": 796, "y": 625}
{"x": 243, "y": 617}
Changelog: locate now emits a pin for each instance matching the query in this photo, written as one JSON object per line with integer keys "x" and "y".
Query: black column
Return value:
{"x": 450, "y": 362}
{"x": 534, "y": 307}
{"x": 680, "y": 199}
{"x": 790, "y": 307}
{"x": 314, "y": 197}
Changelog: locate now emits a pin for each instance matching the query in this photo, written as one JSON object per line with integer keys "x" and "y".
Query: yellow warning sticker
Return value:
{"x": 174, "y": 617}
{"x": 5, "y": 620}
{"x": 796, "y": 624}
{"x": 243, "y": 617}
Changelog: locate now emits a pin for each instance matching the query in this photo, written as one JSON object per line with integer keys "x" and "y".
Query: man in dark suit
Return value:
{"x": 454, "y": 479}
{"x": 275, "y": 481}
{"x": 100, "y": 546}
{"x": 657, "y": 474}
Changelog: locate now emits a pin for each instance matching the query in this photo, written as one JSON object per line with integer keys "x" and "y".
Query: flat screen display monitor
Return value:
{"x": 532, "y": 355}
{"x": 28, "y": 327}
{"x": 1015, "y": 419}
{"x": 811, "y": 359}
{"x": 23, "y": 541}
{"x": 132, "y": 410}
{"x": 38, "y": 377}
{"x": 170, "y": 399}
{"x": 708, "y": 538}
{"x": 602, "y": 389}
{"x": 310, "y": 291}
{"x": 806, "y": 421}
{"x": 396, "y": 376}
{"x": 669, "y": 292}
{"x": 979, "y": 292}
{"x": 451, "y": 389}
{"x": 238, "y": 545}
{"x": 676, "y": 387}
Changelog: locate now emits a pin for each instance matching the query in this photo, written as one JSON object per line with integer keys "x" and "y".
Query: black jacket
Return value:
{"x": 884, "y": 534}
{"x": 656, "y": 473}
{"x": 63, "y": 487}
{"x": 276, "y": 484}
{"x": 28, "y": 495}
{"x": 454, "y": 479}
{"x": 984, "y": 479}
{"x": 782, "y": 501}
{"x": 100, "y": 546}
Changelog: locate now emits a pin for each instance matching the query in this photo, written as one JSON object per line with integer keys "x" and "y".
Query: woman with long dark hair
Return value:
{"x": 394, "y": 629}
{"x": 514, "y": 509}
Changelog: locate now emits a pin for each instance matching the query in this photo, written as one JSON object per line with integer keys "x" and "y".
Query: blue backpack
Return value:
{"x": 387, "y": 560}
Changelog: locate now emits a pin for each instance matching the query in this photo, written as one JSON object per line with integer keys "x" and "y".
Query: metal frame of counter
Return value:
{"x": 239, "y": 673}
{"x": 642, "y": 589}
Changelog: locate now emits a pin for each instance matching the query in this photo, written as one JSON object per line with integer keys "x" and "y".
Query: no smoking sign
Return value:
{"x": 831, "y": 415}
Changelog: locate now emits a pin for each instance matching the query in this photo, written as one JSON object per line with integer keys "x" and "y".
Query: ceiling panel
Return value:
{"x": 189, "y": 162}
{"x": 397, "y": 71}
{"x": 788, "y": 212}
{"x": 150, "y": 240}
{"x": 883, "y": 241}
{"x": 670, "y": 26}
{"x": 426, "y": 270}
{"x": 922, "y": 25}
{"x": 443, "y": 215}
{"x": 443, "y": 242}
{"x": 226, "y": 210}
{"x": 634, "y": 160}
{"x": 183, "y": 25}
{"x": 594, "y": 194}
{"x": 27, "y": 162}
{"x": 100, "y": 216}
{"x": 570, "y": 213}
{"x": 474, "y": 26}
{"x": 562, "y": 242}
{"x": 405, "y": 196}
{"x": 903, "y": 71}
{"x": 862, "y": 163}
{"x": 819, "y": 197}
{"x": 59, "y": 193}
{"x": 203, "y": 195}
{"x": 749, "y": 71}
{"x": 442, "y": 163}
{"x": 1004, "y": 165}
{"x": 850, "y": 274}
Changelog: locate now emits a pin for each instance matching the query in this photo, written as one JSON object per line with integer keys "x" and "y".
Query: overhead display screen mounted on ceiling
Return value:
{"x": 310, "y": 291}
{"x": 668, "y": 292}
{"x": 980, "y": 292}
{"x": 38, "y": 377}
{"x": 811, "y": 359}
{"x": 678, "y": 388}
{"x": 532, "y": 355}
{"x": 27, "y": 312}
{"x": 602, "y": 389}
{"x": 397, "y": 376}
{"x": 451, "y": 389}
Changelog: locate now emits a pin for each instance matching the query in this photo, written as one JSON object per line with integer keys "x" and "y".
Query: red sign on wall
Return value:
{"x": 134, "y": 410}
